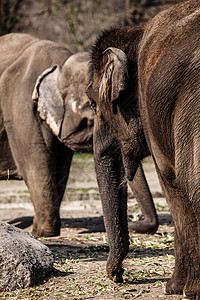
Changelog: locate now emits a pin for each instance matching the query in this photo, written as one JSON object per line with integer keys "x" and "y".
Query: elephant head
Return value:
{"x": 62, "y": 103}
{"x": 119, "y": 142}
{"x": 112, "y": 90}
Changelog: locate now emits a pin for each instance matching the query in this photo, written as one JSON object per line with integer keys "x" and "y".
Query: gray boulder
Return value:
{"x": 24, "y": 261}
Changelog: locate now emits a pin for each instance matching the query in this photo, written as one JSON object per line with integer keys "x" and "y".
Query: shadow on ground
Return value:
{"x": 90, "y": 224}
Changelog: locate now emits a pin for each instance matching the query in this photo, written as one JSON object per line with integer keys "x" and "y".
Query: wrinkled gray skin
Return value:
{"x": 119, "y": 141}
{"x": 38, "y": 136}
{"x": 44, "y": 117}
{"x": 163, "y": 60}
{"x": 169, "y": 89}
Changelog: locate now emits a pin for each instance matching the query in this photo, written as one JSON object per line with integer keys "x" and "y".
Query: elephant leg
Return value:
{"x": 140, "y": 189}
{"x": 113, "y": 192}
{"x": 186, "y": 272}
{"x": 192, "y": 287}
{"x": 47, "y": 210}
{"x": 40, "y": 171}
{"x": 41, "y": 183}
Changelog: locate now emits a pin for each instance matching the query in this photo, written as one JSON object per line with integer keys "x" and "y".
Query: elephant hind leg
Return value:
{"x": 192, "y": 287}
{"x": 186, "y": 275}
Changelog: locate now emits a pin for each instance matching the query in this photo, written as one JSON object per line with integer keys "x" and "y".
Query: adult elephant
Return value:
{"x": 38, "y": 138}
{"x": 164, "y": 120}
{"x": 169, "y": 89}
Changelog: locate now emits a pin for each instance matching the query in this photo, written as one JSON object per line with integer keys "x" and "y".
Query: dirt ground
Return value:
{"x": 81, "y": 250}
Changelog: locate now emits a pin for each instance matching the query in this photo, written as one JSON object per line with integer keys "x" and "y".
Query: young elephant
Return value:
{"x": 38, "y": 138}
{"x": 119, "y": 142}
{"x": 165, "y": 119}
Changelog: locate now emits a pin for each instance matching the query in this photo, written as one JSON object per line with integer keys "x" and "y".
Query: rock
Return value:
{"x": 24, "y": 261}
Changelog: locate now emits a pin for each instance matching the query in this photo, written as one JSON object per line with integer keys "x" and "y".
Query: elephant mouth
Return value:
{"x": 130, "y": 167}
{"x": 130, "y": 173}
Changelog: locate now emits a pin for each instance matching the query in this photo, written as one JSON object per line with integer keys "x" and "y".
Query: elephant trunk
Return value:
{"x": 113, "y": 192}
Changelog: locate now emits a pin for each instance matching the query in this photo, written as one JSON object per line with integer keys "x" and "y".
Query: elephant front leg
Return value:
{"x": 42, "y": 162}
{"x": 46, "y": 183}
{"x": 47, "y": 186}
{"x": 143, "y": 196}
{"x": 45, "y": 199}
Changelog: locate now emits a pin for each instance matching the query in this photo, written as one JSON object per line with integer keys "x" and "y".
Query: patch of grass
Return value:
{"x": 160, "y": 207}
{"x": 84, "y": 190}
{"x": 83, "y": 155}
{"x": 91, "y": 238}
{"x": 102, "y": 285}
{"x": 157, "y": 283}
{"x": 26, "y": 192}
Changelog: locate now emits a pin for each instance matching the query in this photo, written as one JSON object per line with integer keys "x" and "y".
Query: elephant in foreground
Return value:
{"x": 44, "y": 117}
{"x": 169, "y": 97}
{"x": 161, "y": 62}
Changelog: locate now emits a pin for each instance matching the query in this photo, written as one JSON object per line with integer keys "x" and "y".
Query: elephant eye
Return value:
{"x": 93, "y": 105}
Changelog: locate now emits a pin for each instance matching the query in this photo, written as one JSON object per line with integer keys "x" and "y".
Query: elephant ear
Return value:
{"x": 115, "y": 75}
{"x": 49, "y": 101}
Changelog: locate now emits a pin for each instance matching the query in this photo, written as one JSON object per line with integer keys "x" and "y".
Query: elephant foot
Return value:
{"x": 143, "y": 226}
{"x": 45, "y": 233}
{"x": 175, "y": 285}
{"x": 192, "y": 289}
{"x": 46, "y": 230}
{"x": 115, "y": 275}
